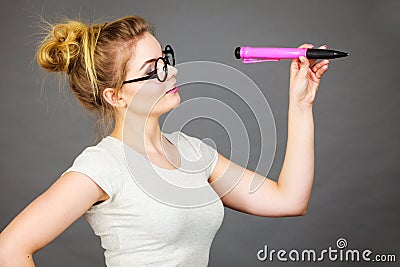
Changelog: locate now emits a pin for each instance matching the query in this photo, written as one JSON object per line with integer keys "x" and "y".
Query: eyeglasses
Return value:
{"x": 160, "y": 68}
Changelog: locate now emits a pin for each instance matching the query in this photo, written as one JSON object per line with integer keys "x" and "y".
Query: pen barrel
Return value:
{"x": 247, "y": 52}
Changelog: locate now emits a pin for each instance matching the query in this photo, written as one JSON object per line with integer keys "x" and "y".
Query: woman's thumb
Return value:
{"x": 304, "y": 64}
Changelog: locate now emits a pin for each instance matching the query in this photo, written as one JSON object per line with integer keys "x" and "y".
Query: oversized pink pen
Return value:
{"x": 261, "y": 54}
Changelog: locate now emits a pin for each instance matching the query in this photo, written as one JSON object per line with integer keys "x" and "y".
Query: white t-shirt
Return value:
{"x": 145, "y": 222}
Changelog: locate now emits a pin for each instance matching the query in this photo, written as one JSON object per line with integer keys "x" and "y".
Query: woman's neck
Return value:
{"x": 141, "y": 135}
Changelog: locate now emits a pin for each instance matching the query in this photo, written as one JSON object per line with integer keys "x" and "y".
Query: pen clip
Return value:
{"x": 257, "y": 60}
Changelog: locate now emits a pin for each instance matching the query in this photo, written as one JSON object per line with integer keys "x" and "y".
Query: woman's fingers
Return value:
{"x": 322, "y": 69}
{"x": 319, "y": 65}
{"x": 319, "y": 68}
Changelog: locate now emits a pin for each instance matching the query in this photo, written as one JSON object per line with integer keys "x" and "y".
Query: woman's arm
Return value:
{"x": 287, "y": 197}
{"x": 290, "y": 195}
{"x": 47, "y": 217}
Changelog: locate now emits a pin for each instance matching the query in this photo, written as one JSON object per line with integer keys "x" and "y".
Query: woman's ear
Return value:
{"x": 114, "y": 98}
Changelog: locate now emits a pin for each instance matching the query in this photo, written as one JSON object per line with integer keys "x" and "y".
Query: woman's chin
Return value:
{"x": 173, "y": 98}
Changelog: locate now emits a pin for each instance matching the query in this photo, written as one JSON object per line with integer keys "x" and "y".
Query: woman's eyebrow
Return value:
{"x": 147, "y": 62}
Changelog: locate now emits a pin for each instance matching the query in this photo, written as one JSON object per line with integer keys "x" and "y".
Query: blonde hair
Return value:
{"x": 94, "y": 57}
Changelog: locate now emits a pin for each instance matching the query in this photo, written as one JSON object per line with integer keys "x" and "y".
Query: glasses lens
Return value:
{"x": 162, "y": 69}
{"x": 169, "y": 55}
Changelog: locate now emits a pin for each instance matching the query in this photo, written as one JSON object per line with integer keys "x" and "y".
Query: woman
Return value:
{"x": 119, "y": 70}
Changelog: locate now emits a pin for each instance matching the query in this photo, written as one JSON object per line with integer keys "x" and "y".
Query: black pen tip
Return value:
{"x": 338, "y": 54}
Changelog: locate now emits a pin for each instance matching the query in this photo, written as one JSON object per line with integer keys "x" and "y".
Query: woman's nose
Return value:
{"x": 172, "y": 71}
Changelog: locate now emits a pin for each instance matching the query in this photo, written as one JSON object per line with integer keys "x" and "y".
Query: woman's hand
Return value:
{"x": 305, "y": 77}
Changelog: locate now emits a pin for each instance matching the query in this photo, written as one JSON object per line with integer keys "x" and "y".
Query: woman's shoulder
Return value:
{"x": 98, "y": 163}
{"x": 183, "y": 138}
{"x": 98, "y": 153}
{"x": 197, "y": 149}
{"x": 194, "y": 144}
{"x": 99, "y": 158}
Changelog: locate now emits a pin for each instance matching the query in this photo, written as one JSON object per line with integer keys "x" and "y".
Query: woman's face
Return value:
{"x": 148, "y": 97}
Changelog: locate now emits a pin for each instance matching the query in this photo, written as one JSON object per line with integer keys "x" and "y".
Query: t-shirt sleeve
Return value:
{"x": 99, "y": 165}
{"x": 209, "y": 153}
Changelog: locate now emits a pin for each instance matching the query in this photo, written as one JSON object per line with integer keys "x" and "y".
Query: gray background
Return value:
{"x": 355, "y": 193}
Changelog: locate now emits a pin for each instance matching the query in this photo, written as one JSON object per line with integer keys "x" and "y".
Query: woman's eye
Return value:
{"x": 150, "y": 72}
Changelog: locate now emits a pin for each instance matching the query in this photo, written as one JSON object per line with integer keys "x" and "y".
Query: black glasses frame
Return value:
{"x": 168, "y": 59}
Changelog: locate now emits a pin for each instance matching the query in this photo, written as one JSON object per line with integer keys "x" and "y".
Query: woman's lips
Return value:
{"x": 173, "y": 90}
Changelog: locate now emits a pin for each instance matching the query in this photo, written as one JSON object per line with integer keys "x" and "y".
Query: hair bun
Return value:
{"x": 62, "y": 46}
